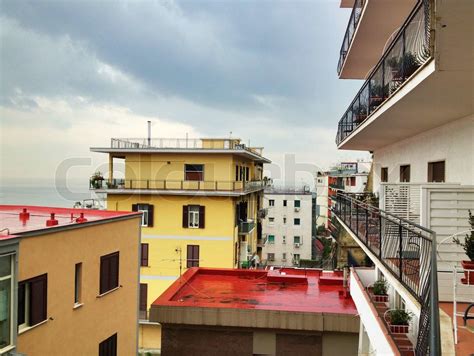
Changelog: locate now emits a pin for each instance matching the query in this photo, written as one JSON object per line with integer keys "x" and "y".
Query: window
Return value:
{"x": 193, "y": 172}
{"x": 297, "y": 203}
{"x": 283, "y": 256}
{"x": 436, "y": 171}
{"x": 296, "y": 221}
{"x": 144, "y": 255}
{"x": 271, "y": 239}
{"x": 285, "y": 202}
{"x": 147, "y": 213}
{"x": 284, "y": 220}
{"x": 78, "y": 283}
{"x": 237, "y": 172}
{"x": 194, "y": 216}
{"x": 405, "y": 173}
{"x": 109, "y": 272}
{"x": 297, "y": 239}
{"x": 271, "y": 256}
{"x": 271, "y": 220}
{"x": 247, "y": 173}
{"x": 271, "y": 202}
{"x": 353, "y": 181}
{"x": 32, "y": 301}
{"x": 143, "y": 301}
{"x": 296, "y": 259}
{"x": 6, "y": 293}
{"x": 283, "y": 239}
{"x": 384, "y": 174}
{"x": 108, "y": 347}
{"x": 192, "y": 257}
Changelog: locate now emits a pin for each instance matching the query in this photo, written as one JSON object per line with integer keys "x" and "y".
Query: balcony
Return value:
{"x": 246, "y": 227}
{"x": 128, "y": 186}
{"x": 367, "y": 34}
{"x": 404, "y": 252}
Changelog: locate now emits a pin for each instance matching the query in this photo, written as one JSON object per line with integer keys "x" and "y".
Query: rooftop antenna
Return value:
{"x": 149, "y": 133}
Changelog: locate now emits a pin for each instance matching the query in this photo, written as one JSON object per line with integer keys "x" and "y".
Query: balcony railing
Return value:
{"x": 350, "y": 30}
{"x": 246, "y": 227}
{"x": 153, "y": 184}
{"x": 406, "y": 250}
{"x": 408, "y": 51}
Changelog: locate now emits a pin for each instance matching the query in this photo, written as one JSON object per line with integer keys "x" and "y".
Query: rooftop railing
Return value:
{"x": 350, "y": 30}
{"x": 407, "y": 251}
{"x": 408, "y": 51}
{"x": 182, "y": 143}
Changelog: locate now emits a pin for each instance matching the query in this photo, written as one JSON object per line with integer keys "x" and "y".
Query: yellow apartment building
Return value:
{"x": 200, "y": 199}
{"x": 68, "y": 281}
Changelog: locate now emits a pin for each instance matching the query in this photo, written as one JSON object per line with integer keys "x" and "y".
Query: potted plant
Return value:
{"x": 399, "y": 320}
{"x": 96, "y": 180}
{"x": 380, "y": 291}
{"x": 360, "y": 114}
{"x": 468, "y": 246}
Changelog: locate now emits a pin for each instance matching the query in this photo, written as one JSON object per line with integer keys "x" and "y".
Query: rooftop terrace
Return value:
{"x": 19, "y": 219}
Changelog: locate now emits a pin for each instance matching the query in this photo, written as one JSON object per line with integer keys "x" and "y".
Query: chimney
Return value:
{"x": 52, "y": 221}
{"x": 149, "y": 133}
{"x": 24, "y": 215}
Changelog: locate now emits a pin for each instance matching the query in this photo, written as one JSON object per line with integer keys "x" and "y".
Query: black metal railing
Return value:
{"x": 406, "y": 249}
{"x": 170, "y": 184}
{"x": 408, "y": 51}
{"x": 350, "y": 30}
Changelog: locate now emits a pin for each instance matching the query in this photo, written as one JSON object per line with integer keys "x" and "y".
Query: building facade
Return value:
{"x": 69, "y": 273}
{"x": 414, "y": 113}
{"x": 200, "y": 200}
{"x": 287, "y": 230}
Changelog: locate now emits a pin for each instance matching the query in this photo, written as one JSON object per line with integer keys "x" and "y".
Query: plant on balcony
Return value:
{"x": 399, "y": 320}
{"x": 96, "y": 180}
{"x": 111, "y": 185}
{"x": 380, "y": 291}
{"x": 360, "y": 114}
{"x": 468, "y": 246}
{"x": 403, "y": 67}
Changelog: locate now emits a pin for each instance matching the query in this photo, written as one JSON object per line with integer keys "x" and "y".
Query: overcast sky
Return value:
{"x": 74, "y": 74}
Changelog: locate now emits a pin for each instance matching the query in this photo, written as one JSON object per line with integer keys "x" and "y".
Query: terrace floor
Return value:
{"x": 465, "y": 345}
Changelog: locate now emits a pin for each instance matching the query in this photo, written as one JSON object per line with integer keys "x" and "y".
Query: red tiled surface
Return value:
{"x": 10, "y": 217}
{"x": 465, "y": 345}
{"x": 251, "y": 289}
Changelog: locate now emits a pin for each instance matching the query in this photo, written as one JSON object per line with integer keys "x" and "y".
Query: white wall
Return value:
{"x": 279, "y": 229}
{"x": 321, "y": 184}
{"x": 452, "y": 142}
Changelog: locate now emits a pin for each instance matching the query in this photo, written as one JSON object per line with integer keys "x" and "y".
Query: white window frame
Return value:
{"x": 296, "y": 260}
{"x": 143, "y": 208}
{"x": 299, "y": 239}
{"x": 271, "y": 202}
{"x": 26, "y": 324}
{"x": 193, "y": 216}
{"x": 12, "y": 287}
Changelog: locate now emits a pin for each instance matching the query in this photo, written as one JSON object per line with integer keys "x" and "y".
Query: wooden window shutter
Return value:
{"x": 202, "y": 216}
{"x": 150, "y": 215}
{"x": 143, "y": 296}
{"x": 108, "y": 347}
{"x": 114, "y": 271}
{"x": 134, "y": 207}
{"x": 144, "y": 255}
{"x": 189, "y": 256}
{"x": 185, "y": 216}
{"x": 196, "y": 256}
{"x": 38, "y": 299}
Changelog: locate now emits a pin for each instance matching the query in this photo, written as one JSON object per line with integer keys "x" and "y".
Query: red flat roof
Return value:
{"x": 287, "y": 289}
{"x": 11, "y": 218}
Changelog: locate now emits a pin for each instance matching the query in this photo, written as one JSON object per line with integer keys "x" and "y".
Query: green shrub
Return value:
{"x": 400, "y": 317}
{"x": 380, "y": 287}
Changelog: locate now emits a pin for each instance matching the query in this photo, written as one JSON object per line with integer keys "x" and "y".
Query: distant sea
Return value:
{"x": 57, "y": 195}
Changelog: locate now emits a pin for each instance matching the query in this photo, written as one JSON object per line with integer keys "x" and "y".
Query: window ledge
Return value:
{"x": 77, "y": 305}
{"x": 108, "y": 292}
{"x": 28, "y": 328}
{"x": 7, "y": 348}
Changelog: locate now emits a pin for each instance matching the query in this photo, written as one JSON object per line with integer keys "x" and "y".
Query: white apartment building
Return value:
{"x": 414, "y": 113}
{"x": 287, "y": 230}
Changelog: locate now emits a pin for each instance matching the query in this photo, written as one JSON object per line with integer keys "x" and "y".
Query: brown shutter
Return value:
{"x": 143, "y": 296}
{"x": 104, "y": 274}
{"x": 134, "y": 207}
{"x": 114, "y": 271}
{"x": 202, "y": 217}
{"x": 150, "y": 215}
{"x": 38, "y": 299}
{"x": 430, "y": 172}
{"x": 189, "y": 256}
{"x": 144, "y": 255}
{"x": 196, "y": 256}
{"x": 441, "y": 171}
{"x": 185, "y": 216}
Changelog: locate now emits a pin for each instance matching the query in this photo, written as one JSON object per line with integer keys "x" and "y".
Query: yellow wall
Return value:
{"x": 150, "y": 336}
{"x": 79, "y": 331}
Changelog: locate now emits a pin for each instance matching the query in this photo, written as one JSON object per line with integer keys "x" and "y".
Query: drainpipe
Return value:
{"x": 149, "y": 133}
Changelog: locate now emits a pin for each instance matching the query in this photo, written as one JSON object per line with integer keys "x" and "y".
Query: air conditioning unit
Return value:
{"x": 297, "y": 209}
{"x": 297, "y": 245}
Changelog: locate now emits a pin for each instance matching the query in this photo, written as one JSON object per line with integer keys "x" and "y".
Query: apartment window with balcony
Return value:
{"x": 6, "y": 293}
{"x": 78, "y": 283}
{"x": 296, "y": 221}
{"x": 405, "y": 173}
{"x": 285, "y": 202}
{"x": 297, "y": 203}
{"x": 384, "y": 175}
{"x": 32, "y": 301}
{"x": 194, "y": 172}
{"x": 144, "y": 255}
{"x": 192, "y": 256}
{"x": 143, "y": 301}
{"x": 271, "y": 239}
{"x": 271, "y": 202}
{"x": 108, "y": 347}
{"x": 436, "y": 172}
{"x": 147, "y": 213}
{"x": 109, "y": 272}
{"x": 297, "y": 240}
{"x": 271, "y": 256}
{"x": 194, "y": 216}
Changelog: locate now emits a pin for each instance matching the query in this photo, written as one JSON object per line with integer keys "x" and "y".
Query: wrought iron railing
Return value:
{"x": 170, "y": 184}
{"x": 407, "y": 251}
{"x": 408, "y": 51}
{"x": 350, "y": 30}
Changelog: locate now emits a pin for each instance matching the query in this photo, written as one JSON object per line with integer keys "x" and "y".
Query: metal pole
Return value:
{"x": 435, "y": 337}
{"x": 149, "y": 133}
{"x": 400, "y": 248}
